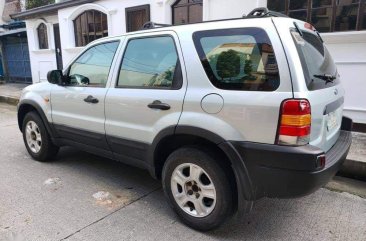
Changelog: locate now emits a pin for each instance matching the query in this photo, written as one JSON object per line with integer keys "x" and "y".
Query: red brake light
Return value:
{"x": 295, "y": 122}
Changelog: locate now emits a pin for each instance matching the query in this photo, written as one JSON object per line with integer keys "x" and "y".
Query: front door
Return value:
{"x": 147, "y": 96}
{"x": 56, "y": 30}
{"x": 78, "y": 107}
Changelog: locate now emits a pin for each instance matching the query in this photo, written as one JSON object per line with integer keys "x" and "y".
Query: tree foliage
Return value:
{"x": 228, "y": 64}
{"x": 37, "y": 3}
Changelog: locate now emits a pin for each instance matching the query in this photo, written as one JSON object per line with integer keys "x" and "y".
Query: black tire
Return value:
{"x": 223, "y": 208}
{"x": 47, "y": 149}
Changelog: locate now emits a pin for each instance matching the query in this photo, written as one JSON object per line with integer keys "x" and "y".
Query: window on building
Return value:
{"x": 187, "y": 11}
{"x": 91, "y": 69}
{"x": 42, "y": 36}
{"x": 154, "y": 67}
{"x": 238, "y": 59}
{"x": 325, "y": 15}
{"x": 89, "y": 26}
{"x": 136, "y": 17}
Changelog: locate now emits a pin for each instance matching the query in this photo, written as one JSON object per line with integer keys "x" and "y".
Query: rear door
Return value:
{"x": 315, "y": 77}
{"x": 147, "y": 95}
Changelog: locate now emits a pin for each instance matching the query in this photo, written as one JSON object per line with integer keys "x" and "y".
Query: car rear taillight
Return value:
{"x": 295, "y": 122}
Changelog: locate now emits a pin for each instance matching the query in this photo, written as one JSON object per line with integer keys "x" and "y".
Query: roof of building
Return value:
{"x": 48, "y": 9}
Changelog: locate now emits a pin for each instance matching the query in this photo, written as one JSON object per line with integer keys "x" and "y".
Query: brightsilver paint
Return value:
{"x": 243, "y": 116}
{"x": 319, "y": 99}
{"x": 126, "y": 109}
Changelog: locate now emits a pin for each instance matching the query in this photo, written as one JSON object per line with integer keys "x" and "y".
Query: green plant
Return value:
{"x": 37, "y": 3}
{"x": 228, "y": 64}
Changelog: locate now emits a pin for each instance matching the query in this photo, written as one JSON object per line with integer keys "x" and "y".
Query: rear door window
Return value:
{"x": 315, "y": 60}
{"x": 151, "y": 62}
{"x": 238, "y": 59}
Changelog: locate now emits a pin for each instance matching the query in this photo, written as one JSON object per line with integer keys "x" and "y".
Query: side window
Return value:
{"x": 42, "y": 36}
{"x": 92, "y": 67}
{"x": 150, "y": 63}
{"x": 238, "y": 59}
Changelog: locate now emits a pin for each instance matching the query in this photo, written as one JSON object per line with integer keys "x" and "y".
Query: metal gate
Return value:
{"x": 16, "y": 58}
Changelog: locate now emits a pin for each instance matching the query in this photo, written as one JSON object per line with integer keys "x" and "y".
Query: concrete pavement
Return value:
{"x": 10, "y": 93}
{"x": 84, "y": 197}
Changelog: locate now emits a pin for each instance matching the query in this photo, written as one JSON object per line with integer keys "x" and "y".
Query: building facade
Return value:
{"x": 14, "y": 53}
{"x": 57, "y": 32}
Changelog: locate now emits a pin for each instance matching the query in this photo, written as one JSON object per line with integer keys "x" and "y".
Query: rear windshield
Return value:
{"x": 315, "y": 60}
{"x": 238, "y": 59}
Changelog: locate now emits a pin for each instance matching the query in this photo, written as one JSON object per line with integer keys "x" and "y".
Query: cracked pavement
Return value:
{"x": 80, "y": 196}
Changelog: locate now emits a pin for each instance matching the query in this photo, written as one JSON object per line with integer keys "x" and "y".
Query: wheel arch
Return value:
{"x": 27, "y": 106}
{"x": 172, "y": 138}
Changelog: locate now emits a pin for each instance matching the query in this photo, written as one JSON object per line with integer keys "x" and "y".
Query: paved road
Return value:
{"x": 84, "y": 197}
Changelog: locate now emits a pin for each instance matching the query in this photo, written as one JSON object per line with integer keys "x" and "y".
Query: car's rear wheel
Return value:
{"x": 36, "y": 138}
{"x": 198, "y": 188}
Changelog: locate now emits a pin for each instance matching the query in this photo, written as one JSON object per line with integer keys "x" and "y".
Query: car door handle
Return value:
{"x": 91, "y": 99}
{"x": 157, "y": 104}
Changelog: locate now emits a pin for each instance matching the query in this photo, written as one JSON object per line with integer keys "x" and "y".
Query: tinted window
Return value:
{"x": 238, "y": 59}
{"x": 315, "y": 60}
{"x": 150, "y": 63}
{"x": 92, "y": 67}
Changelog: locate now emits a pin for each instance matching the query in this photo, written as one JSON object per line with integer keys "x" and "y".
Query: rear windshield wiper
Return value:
{"x": 328, "y": 78}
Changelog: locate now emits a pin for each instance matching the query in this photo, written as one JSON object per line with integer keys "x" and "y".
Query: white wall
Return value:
{"x": 160, "y": 11}
{"x": 115, "y": 10}
{"x": 42, "y": 60}
{"x": 2, "y": 5}
{"x": 349, "y": 52}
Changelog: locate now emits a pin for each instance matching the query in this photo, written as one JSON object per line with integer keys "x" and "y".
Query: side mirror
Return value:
{"x": 55, "y": 77}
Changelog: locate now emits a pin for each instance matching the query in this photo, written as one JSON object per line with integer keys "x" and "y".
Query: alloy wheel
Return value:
{"x": 193, "y": 190}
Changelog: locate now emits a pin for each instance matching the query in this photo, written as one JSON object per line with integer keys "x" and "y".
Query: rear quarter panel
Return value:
{"x": 318, "y": 99}
{"x": 246, "y": 115}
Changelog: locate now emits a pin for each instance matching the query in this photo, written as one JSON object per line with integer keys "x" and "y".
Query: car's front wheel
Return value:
{"x": 198, "y": 188}
{"x": 36, "y": 138}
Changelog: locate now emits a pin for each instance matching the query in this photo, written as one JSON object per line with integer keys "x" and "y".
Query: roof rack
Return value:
{"x": 263, "y": 12}
{"x": 152, "y": 25}
{"x": 255, "y": 13}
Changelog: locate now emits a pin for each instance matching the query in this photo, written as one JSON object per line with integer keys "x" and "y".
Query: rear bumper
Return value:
{"x": 287, "y": 172}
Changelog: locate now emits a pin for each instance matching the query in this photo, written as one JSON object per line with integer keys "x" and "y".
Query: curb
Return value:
{"x": 9, "y": 100}
{"x": 352, "y": 186}
{"x": 353, "y": 169}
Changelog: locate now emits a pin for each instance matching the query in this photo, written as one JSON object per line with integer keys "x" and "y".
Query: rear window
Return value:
{"x": 315, "y": 60}
{"x": 238, "y": 59}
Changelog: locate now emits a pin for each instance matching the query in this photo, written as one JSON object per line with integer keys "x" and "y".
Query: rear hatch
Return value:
{"x": 318, "y": 81}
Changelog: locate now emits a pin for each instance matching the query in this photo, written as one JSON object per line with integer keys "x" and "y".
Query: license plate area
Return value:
{"x": 332, "y": 121}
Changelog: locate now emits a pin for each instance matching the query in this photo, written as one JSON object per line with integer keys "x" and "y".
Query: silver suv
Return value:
{"x": 223, "y": 112}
